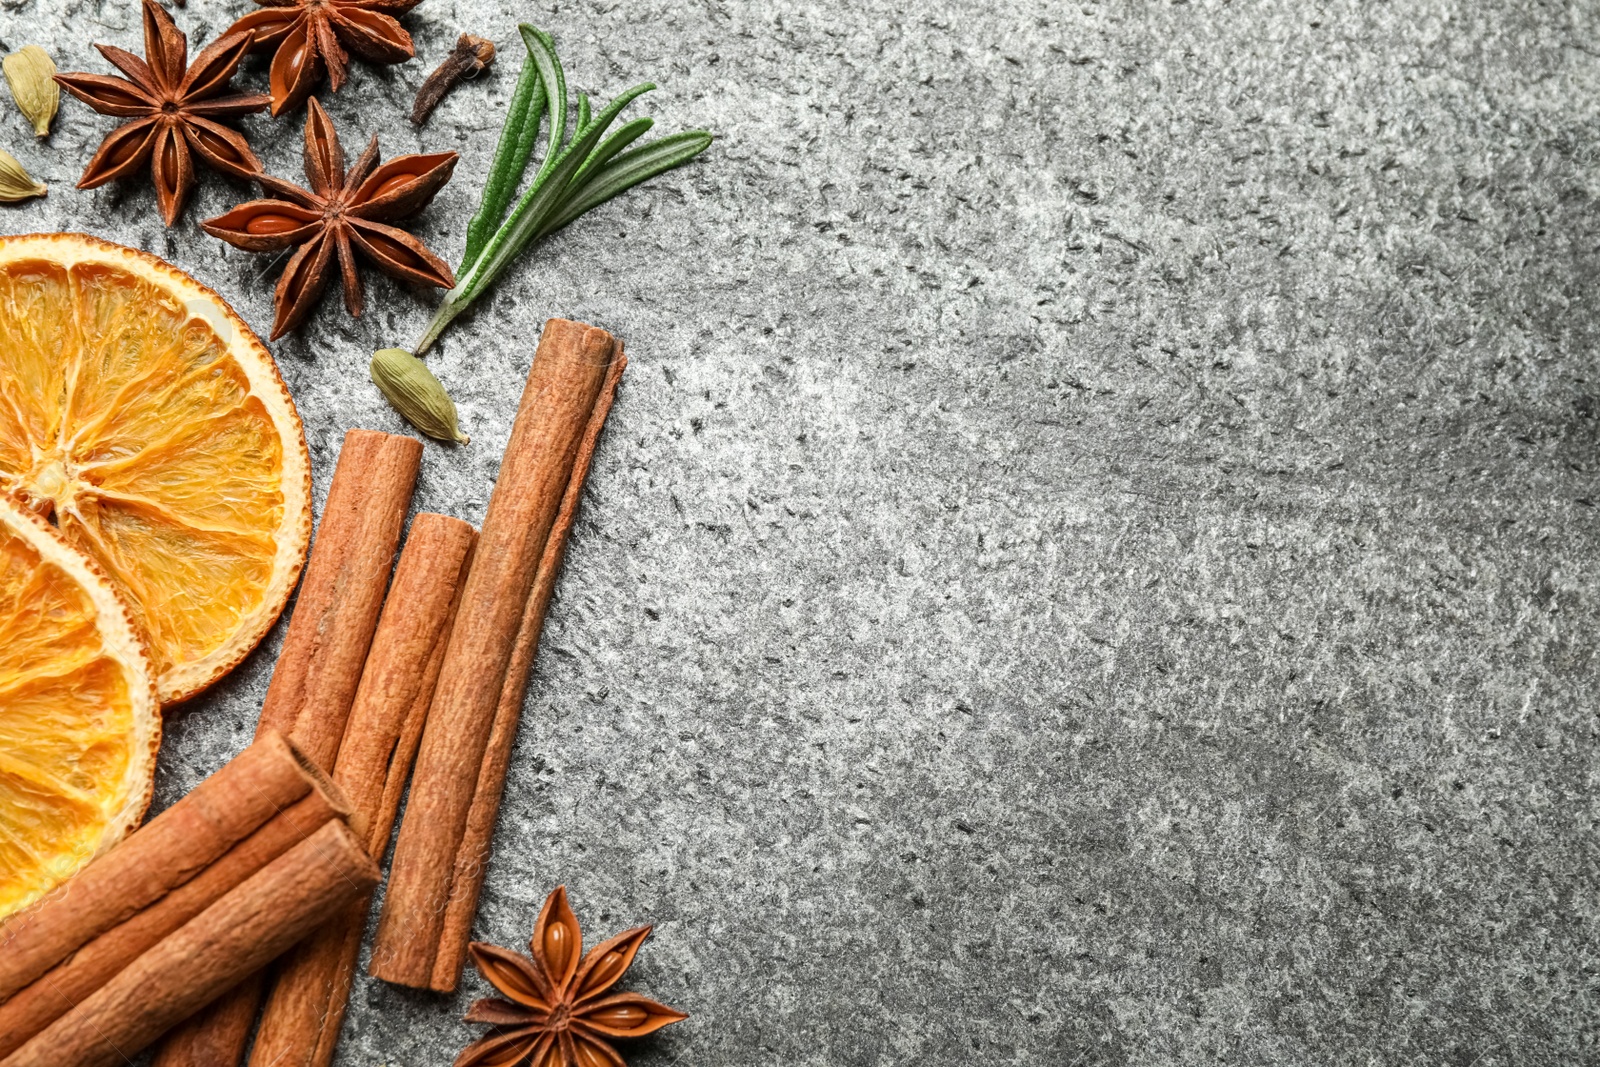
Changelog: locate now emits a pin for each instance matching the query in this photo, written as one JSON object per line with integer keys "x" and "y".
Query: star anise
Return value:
{"x": 559, "y": 1014}
{"x": 343, "y": 212}
{"x": 316, "y": 35}
{"x": 173, "y": 108}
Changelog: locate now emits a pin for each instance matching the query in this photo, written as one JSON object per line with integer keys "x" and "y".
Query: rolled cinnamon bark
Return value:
{"x": 233, "y": 938}
{"x": 305, "y": 1010}
{"x": 336, "y": 612}
{"x": 167, "y": 852}
{"x": 558, "y": 404}
{"x": 398, "y": 682}
{"x": 300, "y": 1023}
{"x": 472, "y": 858}
{"x": 218, "y": 1032}
{"x": 54, "y": 993}
{"x": 314, "y": 683}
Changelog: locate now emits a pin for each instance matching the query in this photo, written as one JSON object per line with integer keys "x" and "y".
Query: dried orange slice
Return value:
{"x": 79, "y": 720}
{"x": 142, "y": 416}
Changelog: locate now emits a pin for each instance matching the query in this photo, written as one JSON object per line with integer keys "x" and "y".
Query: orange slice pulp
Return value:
{"x": 145, "y": 419}
{"x": 79, "y": 721}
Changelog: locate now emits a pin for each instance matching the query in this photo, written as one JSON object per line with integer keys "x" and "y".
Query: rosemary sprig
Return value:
{"x": 576, "y": 174}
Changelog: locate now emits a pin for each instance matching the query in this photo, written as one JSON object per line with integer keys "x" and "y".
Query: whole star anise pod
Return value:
{"x": 343, "y": 212}
{"x": 173, "y": 109}
{"x": 559, "y": 1014}
{"x": 316, "y": 35}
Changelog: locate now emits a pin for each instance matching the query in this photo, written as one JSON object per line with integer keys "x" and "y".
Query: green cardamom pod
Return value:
{"x": 415, "y": 393}
{"x": 16, "y": 183}
{"x": 32, "y": 76}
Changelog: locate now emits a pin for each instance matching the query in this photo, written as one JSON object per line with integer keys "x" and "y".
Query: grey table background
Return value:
{"x": 1095, "y": 557}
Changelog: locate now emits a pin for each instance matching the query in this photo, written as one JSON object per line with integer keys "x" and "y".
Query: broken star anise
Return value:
{"x": 313, "y": 36}
{"x": 559, "y": 1014}
{"x": 172, "y": 109}
{"x": 342, "y": 213}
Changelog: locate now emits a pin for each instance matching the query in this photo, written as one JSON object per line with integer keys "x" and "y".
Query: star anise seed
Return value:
{"x": 173, "y": 109}
{"x": 313, "y": 36}
{"x": 342, "y": 213}
{"x": 559, "y": 1014}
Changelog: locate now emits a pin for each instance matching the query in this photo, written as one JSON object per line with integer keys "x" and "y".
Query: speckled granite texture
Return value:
{"x": 1095, "y": 558}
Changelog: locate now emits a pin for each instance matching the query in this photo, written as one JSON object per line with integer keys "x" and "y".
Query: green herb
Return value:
{"x": 577, "y": 173}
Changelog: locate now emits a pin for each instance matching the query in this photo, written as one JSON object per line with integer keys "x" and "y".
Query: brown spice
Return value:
{"x": 38, "y": 1005}
{"x": 301, "y": 1021}
{"x": 558, "y": 1012}
{"x": 472, "y": 858}
{"x": 216, "y": 1035}
{"x": 172, "y": 109}
{"x": 558, "y": 404}
{"x": 320, "y": 665}
{"x": 312, "y": 36}
{"x": 402, "y": 668}
{"x": 468, "y": 59}
{"x": 167, "y": 852}
{"x": 234, "y": 937}
{"x": 344, "y": 212}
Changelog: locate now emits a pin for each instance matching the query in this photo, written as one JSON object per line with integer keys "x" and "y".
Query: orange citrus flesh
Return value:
{"x": 141, "y": 416}
{"x": 79, "y": 718}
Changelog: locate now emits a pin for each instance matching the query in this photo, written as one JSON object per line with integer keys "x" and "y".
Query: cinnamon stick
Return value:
{"x": 170, "y": 850}
{"x": 558, "y": 403}
{"x": 319, "y": 668}
{"x": 303, "y": 1014}
{"x": 407, "y": 654}
{"x": 231, "y": 939}
{"x": 216, "y": 1034}
{"x": 336, "y": 612}
{"x": 41, "y": 1003}
{"x": 472, "y": 859}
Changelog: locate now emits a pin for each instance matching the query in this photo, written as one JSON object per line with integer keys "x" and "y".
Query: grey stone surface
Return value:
{"x": 1094, "y": 561}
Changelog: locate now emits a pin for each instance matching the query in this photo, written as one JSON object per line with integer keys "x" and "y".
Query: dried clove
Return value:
{"x": 470, "y": 56}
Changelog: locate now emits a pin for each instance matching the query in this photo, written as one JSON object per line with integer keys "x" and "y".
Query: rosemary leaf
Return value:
{"x": 628, "y": 170}
{"x": 510, "y": 160}
{"x": 629, "y": 133}
{"x": 542, "y": 54}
